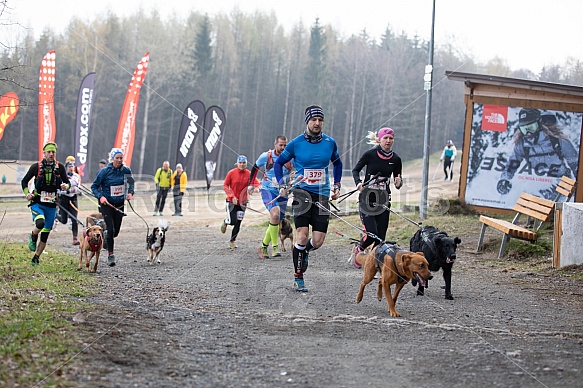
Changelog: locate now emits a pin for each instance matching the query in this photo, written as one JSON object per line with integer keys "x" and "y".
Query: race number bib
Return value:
{"x": 315, "y": 176}
{"x": 47, "y": 197}
{"x": 240, "y": 215}
{"x": 116, "y": 191}
{"x": 379, "y": 186}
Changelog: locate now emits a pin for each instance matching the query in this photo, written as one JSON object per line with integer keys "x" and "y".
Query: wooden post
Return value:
{"x": 558, "y": 234}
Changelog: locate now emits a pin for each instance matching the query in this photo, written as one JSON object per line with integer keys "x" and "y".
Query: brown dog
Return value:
{"x": 92, "y": 241}
{"x": 286, "y": 231}
{"x": 397, "y": 266}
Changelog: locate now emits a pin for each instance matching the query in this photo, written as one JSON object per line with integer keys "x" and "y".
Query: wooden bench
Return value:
{"x": 536, "y": 208}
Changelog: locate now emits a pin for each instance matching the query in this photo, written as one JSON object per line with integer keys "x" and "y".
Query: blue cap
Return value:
{"x": 241, "y": 159}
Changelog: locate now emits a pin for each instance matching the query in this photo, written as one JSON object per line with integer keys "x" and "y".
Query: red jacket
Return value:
{"x": 235, "y": 184}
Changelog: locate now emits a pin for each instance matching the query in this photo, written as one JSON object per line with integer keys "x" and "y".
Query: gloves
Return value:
{"x": 504, "y": 186}
{"x": 102, "y": 200}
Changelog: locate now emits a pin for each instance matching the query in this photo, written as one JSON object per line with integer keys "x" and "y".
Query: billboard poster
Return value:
{"x": 515, "y": 150}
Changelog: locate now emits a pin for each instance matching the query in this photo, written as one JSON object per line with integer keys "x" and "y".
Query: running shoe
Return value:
{"x": 155, "y": 214}
{"x": 31, "y": 243}
{"x": 233, "y": 245}
{"x": 275, "y": 251}
{"x": 299, "y": 285}
{"x": 35, "y": 260}
{"x": 75, "y": 241}
{"x": 262, "y": 250}
{"x": 355, "y": 251}
{"x": 223, "y": 227}
{"x": 111, "y": 260}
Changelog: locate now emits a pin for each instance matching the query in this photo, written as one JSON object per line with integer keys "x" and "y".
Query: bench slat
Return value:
{"x": 509, "y": 228}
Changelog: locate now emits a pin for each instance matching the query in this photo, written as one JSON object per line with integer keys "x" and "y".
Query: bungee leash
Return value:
{"x": 70, "y": 215}
{"x": 147, "y": 226}
{"x": 374, "y": 178}
{"x": 371, "y": 235}
{"x": 402, "y": 216}
{"x": 299, "y": 179}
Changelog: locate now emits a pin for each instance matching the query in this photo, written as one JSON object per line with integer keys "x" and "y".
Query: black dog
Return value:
{"x": 439, "y": 250}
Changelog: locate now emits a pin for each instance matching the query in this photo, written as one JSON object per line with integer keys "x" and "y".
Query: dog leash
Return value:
{"x": 70, "y": 215}
{"x": 88, "y": 193}
{"x": 371, "y": 235}
{"x": 82, "y": 213}
{"x": 299, "y": 179}
{"x": 140, "y": 217}
{"x": 424, "y": 235}
{"x": 394, "y": 212}
{"x": 364, "y": 185}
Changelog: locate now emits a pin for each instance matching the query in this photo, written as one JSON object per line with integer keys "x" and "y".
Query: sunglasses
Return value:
{"x": 529, "y": 128}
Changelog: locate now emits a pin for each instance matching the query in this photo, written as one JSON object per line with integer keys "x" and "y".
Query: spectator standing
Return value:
{"x": 179, "y": 182}
{"x": 163, "y": 182}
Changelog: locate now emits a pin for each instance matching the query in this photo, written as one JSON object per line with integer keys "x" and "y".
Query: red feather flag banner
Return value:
{"x": 8, "y": 109}
{"x": 126, "y": 128}
{"x": 47, "y": 128}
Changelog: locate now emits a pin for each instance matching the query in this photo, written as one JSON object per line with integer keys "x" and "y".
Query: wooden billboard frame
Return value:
{"x": 503, "y": 91}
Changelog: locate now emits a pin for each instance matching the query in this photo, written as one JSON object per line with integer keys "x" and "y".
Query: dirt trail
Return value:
{"x": 210, "y": 316}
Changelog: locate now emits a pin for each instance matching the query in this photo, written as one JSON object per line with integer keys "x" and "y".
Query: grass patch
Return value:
{"x": 36, "y": 310}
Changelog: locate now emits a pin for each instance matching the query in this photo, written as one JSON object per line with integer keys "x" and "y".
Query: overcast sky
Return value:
{"x": 526, "y": 34}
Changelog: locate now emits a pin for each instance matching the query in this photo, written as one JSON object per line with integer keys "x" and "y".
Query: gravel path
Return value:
{"x": 210, "y": 316}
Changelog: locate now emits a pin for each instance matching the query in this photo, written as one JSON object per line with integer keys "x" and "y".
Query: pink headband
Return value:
{"x": 385, "y": 131}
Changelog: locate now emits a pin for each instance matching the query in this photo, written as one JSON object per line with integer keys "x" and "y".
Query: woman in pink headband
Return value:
{"x": 381, "y": 164}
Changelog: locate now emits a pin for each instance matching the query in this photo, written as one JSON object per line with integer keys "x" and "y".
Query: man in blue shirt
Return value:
{"x": 275, "y": 205}
{"x": 312, "y": 153}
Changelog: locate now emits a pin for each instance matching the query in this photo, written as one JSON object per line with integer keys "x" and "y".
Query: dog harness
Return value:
{"x": 390, "y": 250}
{"x": 94, "y": 245}
{"x": 427, "y": 234}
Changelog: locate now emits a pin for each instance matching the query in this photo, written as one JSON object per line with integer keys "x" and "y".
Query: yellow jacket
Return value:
{"x": 162, "y": 177}
{"x": 183, "y": 180}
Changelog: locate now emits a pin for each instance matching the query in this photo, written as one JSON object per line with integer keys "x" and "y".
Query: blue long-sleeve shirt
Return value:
{"x": 311, "y": 160}
{"x": 110, "y": 183}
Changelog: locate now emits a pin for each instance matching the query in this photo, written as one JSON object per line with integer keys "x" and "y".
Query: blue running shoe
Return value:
{"x": 299, "y": 285}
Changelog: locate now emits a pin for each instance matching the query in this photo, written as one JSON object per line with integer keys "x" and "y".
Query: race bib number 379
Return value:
{"x": 315, "y": 176}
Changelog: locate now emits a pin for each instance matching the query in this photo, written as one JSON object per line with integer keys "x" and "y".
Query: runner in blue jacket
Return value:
{"x": 112, "y": 186}
{"x": 312, "y": 153}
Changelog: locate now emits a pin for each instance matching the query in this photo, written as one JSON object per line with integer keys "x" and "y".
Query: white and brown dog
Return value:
{"x": 155, "y": 241}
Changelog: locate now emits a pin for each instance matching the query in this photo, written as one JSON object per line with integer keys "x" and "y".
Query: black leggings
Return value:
{"x": 65, "y": 203}
{"x": 112, "y": 220}
{"x": 234, "y": 212}
{"x": 447, "y": 165}
{"x": 375, "y": 224}
{"x": 161, "y": 199}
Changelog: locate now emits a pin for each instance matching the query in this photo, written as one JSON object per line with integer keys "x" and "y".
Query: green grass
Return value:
{"x": 36, "y": 310}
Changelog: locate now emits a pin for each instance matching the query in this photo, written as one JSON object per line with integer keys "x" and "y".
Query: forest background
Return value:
{"x": 260, "y": 76}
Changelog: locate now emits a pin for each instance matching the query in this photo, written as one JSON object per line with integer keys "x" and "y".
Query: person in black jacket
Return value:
{"x": 49, "y": 177}
{"x": 381, "y": 163}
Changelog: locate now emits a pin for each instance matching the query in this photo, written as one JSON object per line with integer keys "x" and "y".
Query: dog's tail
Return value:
{"x": 163, "y": 224}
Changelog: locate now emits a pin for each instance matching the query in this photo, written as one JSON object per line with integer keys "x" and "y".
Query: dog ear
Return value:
{"x": 457, "y": 240}
{"x": 420, "y": 254}
{"x": 438, "y": 240}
